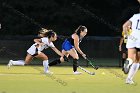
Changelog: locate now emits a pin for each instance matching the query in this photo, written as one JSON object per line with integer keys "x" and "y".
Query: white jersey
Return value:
{"x": 134, "y": 37}
{"x": 46, "y": 45}
{"x": 135, "y": 19}
{"x": 34, "y": 50}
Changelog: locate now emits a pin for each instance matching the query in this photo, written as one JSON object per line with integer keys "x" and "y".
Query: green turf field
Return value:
{"x": 30, "y": 79}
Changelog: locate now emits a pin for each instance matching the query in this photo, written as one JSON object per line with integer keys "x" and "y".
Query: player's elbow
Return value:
{"x": 35, "y": 40}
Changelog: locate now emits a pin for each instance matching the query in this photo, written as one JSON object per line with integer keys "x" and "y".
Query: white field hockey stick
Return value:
{"x": 91, "y": 73}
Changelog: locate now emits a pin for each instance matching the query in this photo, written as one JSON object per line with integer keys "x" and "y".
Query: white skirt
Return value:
{"x": 32, "y": 50}
{"x": 133, "y": 40}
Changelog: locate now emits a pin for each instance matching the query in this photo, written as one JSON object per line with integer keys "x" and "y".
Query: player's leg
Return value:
{"x": 31, "y": 52}
{"x": 136, "y": 65}
{"x": 134, "y": 68}
{"x": 75, "y": 56}
{"x": 132, "y": 52}
{"x": 42, "y": 56}
{"x": 21, "y": 62}
{"x": 65, "y": 46}
{"x": 124, "y": 54}
{"x": 60, "y": 60}
{"x": 124, "y": 57}
{"x": 131, "y": 58}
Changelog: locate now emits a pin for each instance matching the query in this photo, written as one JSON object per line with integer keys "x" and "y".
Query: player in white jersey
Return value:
{"x": 36, "y": 50}
{"x": 133, "y": 46}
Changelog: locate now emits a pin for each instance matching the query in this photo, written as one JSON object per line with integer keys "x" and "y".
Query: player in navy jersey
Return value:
{"x": 71, "y": 46}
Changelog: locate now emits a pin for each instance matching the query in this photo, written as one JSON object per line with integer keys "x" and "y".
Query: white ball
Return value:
{"x": 103, "y": 73}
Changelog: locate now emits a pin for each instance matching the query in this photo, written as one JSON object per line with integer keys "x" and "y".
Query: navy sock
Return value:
{"x": 75, "y": 64}
{"x": 55, "y": 62}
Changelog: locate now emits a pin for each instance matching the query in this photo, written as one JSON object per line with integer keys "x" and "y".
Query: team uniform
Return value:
{"x": 33, "y": 50}
{"x": 68, "y": 44}
{"x": 133, "y": 42}
{"x": 134, "y": 37}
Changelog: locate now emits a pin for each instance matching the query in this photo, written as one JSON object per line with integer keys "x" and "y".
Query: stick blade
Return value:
{"x": 92, "y": 73}
{"x": 96, "y": 67}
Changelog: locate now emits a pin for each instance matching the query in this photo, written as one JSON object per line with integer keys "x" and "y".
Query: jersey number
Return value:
{"x": 138, "y": 24}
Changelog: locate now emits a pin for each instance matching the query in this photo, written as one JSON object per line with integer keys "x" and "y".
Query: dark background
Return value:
{"x": 102, "y": 17}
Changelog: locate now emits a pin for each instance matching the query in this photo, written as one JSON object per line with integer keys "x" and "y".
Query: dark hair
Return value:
{"x": 79, "y": 29}
{"x": 50, "y": 33}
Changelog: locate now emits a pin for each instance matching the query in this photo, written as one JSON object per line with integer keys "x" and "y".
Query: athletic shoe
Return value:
{"x": 129, "y": 81}
{"x": 48, "y": 72}
{"x": 127, "y": 65}
{"x": 9, "y": 64}
{"x": 77, "y": 73}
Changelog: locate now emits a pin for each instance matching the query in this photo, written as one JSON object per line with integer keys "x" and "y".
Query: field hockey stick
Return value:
{"x": 90, "y": 73}
{"x": 86, "y": 58}
{"x": 95, "y": 67}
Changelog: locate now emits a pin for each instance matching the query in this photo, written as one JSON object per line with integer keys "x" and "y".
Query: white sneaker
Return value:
{"x": 77, "y": 73}
{"x": 48, "y": 72}
{"x": 129, "y": 81}
{"x": 9, "y": 64}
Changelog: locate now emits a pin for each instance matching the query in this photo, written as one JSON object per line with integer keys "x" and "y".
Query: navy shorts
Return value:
{"x": 67, "y": 45}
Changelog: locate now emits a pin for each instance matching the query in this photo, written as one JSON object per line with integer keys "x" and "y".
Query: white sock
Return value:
{"x": 134, "y": 68}
{"x": 18, "y": 62}
{"x": 45, "y": 64}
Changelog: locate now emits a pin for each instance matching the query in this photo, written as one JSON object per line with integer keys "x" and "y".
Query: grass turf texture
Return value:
{"x": 30, "y": 79}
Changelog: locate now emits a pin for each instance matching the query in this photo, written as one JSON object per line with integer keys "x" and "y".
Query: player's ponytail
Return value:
{"x": 42, "y": 32}
{"x": 79, "y": 29}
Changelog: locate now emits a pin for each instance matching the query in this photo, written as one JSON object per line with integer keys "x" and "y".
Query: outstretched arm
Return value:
{"x": 57, "y": 51}
{"x": 76, "y": 45}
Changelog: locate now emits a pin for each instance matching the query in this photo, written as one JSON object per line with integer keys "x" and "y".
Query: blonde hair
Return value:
{"x": 42, "y": 32}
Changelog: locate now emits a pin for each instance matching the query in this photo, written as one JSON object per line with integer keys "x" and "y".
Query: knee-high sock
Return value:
{"x": 75, "y": 64}
{"x": 18, "y": 62}
{"x": 45, "y": 64}
{"x": 134, "y": 68}
{"x": 57, "y": 61}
